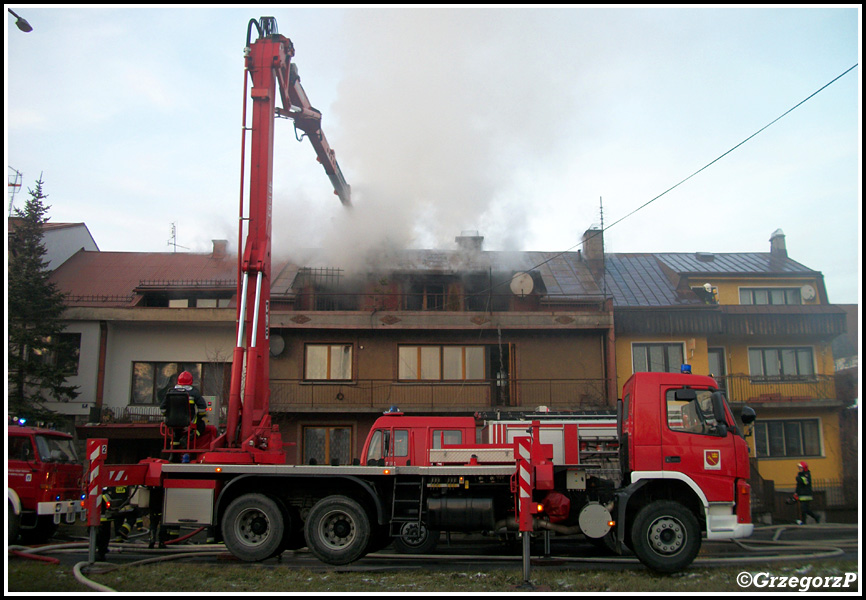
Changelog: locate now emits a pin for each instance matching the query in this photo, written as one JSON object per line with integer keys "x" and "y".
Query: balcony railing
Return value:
{"x": 372, "y": 395}
{"x": 745, "y": 388}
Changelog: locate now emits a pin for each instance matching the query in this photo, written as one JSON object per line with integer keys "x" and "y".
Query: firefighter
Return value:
{"x": 198, "y": 422}
{"x": 803, "y": 493}
{"x": 116, "y": 509}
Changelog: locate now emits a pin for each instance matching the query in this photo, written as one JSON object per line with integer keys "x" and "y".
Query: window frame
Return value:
{"x": 764, "y": 444}
{"x": 792, "y": 296}
{"x": 666, "y": 346}
{"x": 435, "y": 368}
{"x": 329, "y": 362}
{"x": 780, "y": 357}
{"x": 206, "y": 375}
{"x": 328, "y": 431}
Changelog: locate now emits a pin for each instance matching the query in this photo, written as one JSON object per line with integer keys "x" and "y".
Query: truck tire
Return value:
{"x": 43, "y": 531}
{"x": 415, "y": 538}
{"x": 666, "y": 536}
{"x": 337, "y": 530}
{"x": 13, "y": 524}
{"x": 253, "y": 527}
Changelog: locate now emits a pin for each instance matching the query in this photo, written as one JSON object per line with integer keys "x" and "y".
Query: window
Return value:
{"x": 20, "y": 448}
{"x": 55, "y": 449}
{"x": 657, "y": 358}
{"x": 781, "y": 363}
{"x": 770, "y": 296}
{"x": 692, "y": 414}
{"x": 426, "y": 296}
{"x": 790, "y": 438}
{"x": 441, "y": 363}
{"x": 447, "y": 436}
{"x": 151, "y": 380}
{"x": 328, "y": 445}
{"x": 325, "y": 362}
{"x": 63, "y": 348}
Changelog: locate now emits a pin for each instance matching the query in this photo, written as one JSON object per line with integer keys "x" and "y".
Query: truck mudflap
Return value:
{"x": 722, "y": 522}
{"x": 63, "y": 510}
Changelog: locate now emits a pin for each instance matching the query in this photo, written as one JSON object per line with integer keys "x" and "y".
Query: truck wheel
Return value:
{"x": 337, "y": 530}
{"x": 253, "y": 527}
{"x": 43, "y": 531}
{"x": 13, "y": 524}
{"x": 666, "y": 536}
{"x": 415, "y": 538}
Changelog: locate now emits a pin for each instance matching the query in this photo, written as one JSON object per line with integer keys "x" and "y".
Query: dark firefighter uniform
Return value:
{"x": 116, "y": 509}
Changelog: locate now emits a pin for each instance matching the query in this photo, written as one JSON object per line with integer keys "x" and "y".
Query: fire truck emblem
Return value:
{"x": 712, "y": 460}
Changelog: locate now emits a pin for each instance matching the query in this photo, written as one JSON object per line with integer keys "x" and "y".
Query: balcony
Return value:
{"x": 379, "y": 395}
{"x": 798, "y": 390}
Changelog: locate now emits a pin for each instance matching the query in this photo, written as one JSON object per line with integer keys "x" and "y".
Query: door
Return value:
{"x": 718, "y": 370}
{"x": 22, "y": 469}
{"x": 697, "y": 443}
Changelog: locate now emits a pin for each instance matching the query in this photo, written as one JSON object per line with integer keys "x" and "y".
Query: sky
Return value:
{"x": 529, "y": 125}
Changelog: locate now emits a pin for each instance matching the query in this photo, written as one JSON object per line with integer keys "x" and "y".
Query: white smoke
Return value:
{"x": 442, "y": 114}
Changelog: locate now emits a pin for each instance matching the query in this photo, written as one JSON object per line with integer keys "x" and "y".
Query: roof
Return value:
{"x": 652, "y": 279}
{"x": 739, "y": 263}
{"x": 638, "y": 280}
{"x": 109, "y": 279}
{"x": 565, "y": 276}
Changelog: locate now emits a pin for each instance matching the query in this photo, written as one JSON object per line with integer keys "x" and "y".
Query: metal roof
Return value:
{"x": 740, "y": 263}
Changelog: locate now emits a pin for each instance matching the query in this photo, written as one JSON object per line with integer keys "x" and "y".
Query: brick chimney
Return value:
{"x": 777, "y": 244}
{"x": 593, "y": 244}
{"x": 220, "y": 248}
{"x": 593, "y": 252}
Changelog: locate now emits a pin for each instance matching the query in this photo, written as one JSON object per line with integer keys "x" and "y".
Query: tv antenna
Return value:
{"x": 14, "y": 186}
{"x": 172, "y": 241}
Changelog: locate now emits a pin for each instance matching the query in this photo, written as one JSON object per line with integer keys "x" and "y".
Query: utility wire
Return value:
{"x": 712, "y": 162}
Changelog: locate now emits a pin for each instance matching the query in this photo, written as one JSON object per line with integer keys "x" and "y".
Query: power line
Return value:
{"x": 715, "y": 160}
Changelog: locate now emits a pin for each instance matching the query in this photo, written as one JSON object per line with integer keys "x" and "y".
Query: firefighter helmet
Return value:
{"x": 803, "y": 466}
{"x": 184, "y": 378}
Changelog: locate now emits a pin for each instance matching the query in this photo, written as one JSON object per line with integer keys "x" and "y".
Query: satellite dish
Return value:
{"x": 807, "y": 292}
{"x": 522, "y": 284}
{"x": 278, "y": 344}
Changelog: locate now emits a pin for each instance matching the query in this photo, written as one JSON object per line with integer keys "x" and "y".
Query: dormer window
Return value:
{"x": 770, "y": 295}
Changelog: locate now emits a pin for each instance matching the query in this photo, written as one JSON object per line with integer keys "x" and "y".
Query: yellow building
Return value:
{"x": 759, "y": 322}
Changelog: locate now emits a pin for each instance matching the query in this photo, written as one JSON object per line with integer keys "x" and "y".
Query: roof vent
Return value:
{"x": 705, "y": 256}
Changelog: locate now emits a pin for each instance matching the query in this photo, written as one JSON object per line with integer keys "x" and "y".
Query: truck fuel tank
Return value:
{"x": 460, "y": 514}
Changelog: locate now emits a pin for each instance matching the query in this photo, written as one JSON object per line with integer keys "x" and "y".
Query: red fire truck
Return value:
{"x": 43, "y": 484}
{"x": 672, "y": 467}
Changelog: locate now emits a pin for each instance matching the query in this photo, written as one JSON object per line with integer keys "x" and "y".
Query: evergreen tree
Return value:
{"x": 39, "y": 357}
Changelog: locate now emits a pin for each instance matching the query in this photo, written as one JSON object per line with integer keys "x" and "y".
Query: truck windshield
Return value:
{"x": 55, "y": 449}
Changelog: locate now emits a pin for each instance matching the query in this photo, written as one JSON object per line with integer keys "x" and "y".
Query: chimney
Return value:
{"x": 777, "y": 245}
{"x": 470, "y": 240}
{"x": 593, "y": 245}
{"x": 219, "y": 248}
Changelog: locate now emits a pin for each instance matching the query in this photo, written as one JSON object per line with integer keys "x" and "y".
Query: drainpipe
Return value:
{"x": 96, "y": 411}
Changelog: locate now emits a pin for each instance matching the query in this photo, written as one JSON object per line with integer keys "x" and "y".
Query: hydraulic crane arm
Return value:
{"x": 296, "y": 106}
{"x": 268, "y": 63}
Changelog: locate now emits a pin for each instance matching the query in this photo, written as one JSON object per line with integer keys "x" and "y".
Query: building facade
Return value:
{"x": 761, "y": 324}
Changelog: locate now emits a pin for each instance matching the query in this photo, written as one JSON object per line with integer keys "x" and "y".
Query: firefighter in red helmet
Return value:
{"x": 803, "y": 493}
{"x": 184, "y": 384}
{"x": 197, "y": 421}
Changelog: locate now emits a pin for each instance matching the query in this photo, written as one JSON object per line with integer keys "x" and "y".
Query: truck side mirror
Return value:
{"x": 747, "y": 416}
{"x": 719, "y": 407}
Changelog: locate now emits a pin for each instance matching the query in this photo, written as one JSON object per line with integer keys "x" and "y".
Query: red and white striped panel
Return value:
{"x": 523, "y": 451}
